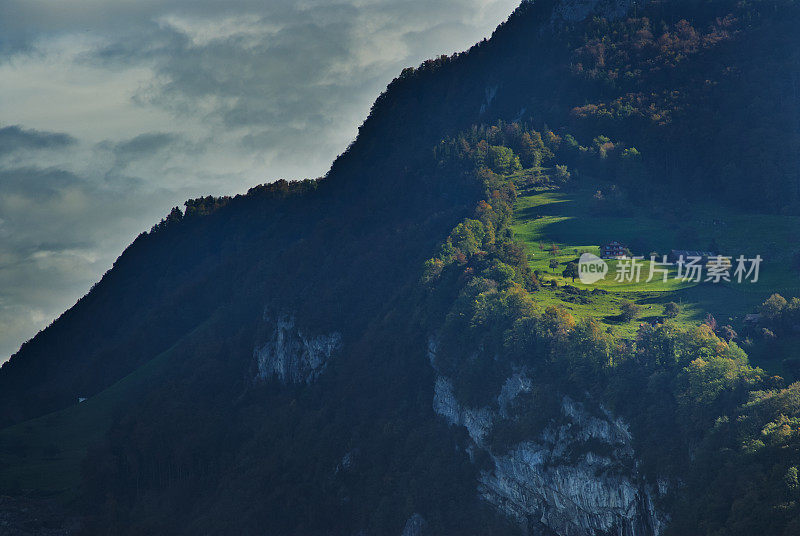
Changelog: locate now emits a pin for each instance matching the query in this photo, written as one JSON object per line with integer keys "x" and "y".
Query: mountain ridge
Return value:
{"x": 408, "y": 240}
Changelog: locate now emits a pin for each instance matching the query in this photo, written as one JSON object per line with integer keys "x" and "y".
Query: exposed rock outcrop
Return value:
{"x": 478, "y": 421}
{"x": 576, "y": 477}
{"x": 415, "y": 526}
{"x": 292, "y": 355}
{"x": 347, "y": 461}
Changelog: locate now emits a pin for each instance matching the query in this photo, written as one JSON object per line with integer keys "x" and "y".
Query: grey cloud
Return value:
{"x": 145, "y": 143}
{"x": 284, "y": 77}
{"x": 297, "y": 72}
{"x": 14, "y": 138}
{"x": 44, "y": 184}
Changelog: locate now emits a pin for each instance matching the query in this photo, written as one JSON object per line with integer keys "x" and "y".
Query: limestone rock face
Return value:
{"x": 292, "y": 355}
{"x": 478, "y": 421}
{"x": 415, "y": 526}
{"x": 576, "y": 477}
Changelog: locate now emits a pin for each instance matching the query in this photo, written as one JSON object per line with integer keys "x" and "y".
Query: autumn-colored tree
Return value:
{"x": 530, "y": 155}
{"x": 773, "y": 307}
{"x": 503, "y": 160}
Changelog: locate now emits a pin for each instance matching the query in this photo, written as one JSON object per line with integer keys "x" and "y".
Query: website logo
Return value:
{"x": 591, "y": 269}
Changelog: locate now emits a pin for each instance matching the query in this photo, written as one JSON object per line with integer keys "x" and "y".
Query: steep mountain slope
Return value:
{"x": 371, "y": 353}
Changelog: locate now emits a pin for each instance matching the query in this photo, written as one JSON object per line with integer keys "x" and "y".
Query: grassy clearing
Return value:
{"x": 561, "y": 224}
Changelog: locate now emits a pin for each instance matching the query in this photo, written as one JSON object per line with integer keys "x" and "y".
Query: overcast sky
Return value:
{"x": 111, "y": 112}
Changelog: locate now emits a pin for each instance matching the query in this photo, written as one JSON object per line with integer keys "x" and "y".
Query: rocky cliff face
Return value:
{"x": 415, "y": 526}
{"x": 577, "y": 477}
{"x": 292, "y": 355}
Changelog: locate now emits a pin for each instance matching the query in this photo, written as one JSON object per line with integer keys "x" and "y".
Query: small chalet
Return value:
{"x": 612, "y": 250}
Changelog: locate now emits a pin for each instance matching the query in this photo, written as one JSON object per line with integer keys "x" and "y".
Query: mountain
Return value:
{"x": 399, "y": 347}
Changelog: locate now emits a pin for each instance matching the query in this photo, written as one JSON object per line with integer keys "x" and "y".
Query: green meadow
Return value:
{"x": 561, "y": 224}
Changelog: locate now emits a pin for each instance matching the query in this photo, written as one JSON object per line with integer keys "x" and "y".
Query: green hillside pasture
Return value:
{"x": 570, "y": 221}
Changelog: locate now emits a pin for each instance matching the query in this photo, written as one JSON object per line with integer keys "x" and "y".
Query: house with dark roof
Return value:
{"x": 612, "y": 250}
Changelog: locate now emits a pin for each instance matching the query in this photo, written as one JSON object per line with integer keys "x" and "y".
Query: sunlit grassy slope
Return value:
{"x": 563, "y": 223}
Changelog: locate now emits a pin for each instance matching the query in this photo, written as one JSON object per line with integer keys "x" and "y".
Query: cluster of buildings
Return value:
{"x": 617, "y": 250}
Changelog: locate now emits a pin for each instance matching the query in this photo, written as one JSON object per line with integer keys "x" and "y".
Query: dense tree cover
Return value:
{"x": 675, "y": 74}
{"x": 707, "y": 90}
{"x": 745, "y": 476}
{"x": 680, "y": 388}
{"x": 781, "y": 316}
